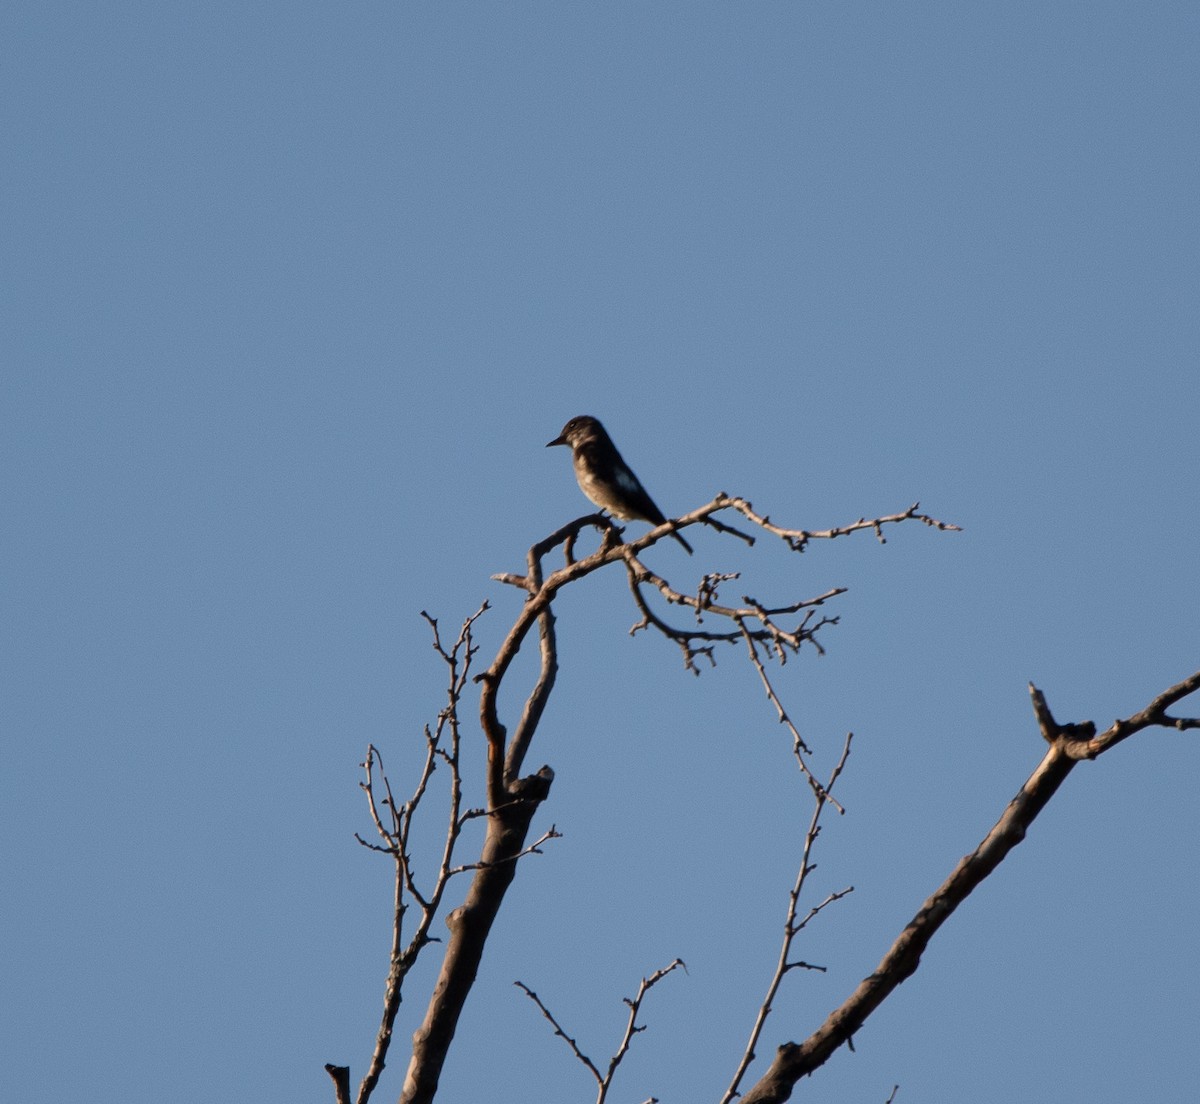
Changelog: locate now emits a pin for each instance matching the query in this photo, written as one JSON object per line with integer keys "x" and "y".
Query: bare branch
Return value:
{"x": 561, "y": 1033}
{"x": 798, "y": 539}
{"x": 631, "y": 1027}
{"x": 536, "y": 702}
{"x": 1154, "y": 715}
{"x": 798, "y": 744}
{"x": 533, "y": 849}
{"x": 403, "y": 955}
{"x": 780, "y": 640}
{"x": 796, "y": 1060}
{"x": 512, "y": 800}
{"x": 604, "y": 1081}
{"x": 792, "y": 927}
{"x": 341, "y": 1081}
{"x": 721, "y": 527}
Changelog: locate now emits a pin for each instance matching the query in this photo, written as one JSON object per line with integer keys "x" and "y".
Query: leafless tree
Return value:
{"x": 769, "y": 634}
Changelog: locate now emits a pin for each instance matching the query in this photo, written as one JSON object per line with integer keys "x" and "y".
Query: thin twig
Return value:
{"x": 561, "y": 1032}
{"x": 631, "y": 1027}
{"x": 534, "y": 848}
{"x": 792, "y": 927}
{"x": 404, "y": 954}
{"x": 798, "y": 539}
{"x": 604, "y": 1081}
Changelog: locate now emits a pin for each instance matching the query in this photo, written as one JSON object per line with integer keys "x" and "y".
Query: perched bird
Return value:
{"x": 604, "y": 477}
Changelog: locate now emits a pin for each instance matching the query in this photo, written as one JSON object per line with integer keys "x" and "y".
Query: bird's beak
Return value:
{"x": 556, "y": 441}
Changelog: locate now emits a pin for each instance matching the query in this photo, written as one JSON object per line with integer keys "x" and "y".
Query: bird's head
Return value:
{"x": 577, "y": 431}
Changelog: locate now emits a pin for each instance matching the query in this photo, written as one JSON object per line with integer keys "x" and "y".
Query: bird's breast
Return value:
{"x": 601, "y": 493}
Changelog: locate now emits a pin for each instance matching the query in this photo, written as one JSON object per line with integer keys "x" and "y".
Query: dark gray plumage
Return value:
{"x": 604, "y": 477}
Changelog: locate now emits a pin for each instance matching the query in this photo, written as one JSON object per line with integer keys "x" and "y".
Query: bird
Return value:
{"x": 604, "y": 477}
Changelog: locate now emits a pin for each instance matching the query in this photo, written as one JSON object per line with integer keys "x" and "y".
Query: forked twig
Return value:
{"x": 442, "y": 744}
{"x": 792, "y": 926}
{"x": 604, "y": 1080}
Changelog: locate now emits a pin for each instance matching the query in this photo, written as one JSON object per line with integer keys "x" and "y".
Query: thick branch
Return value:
{"x": 341, "y": 1081}
{"x": 469, "y": 927}
{"x": 536, "y": 703}
{"x": 792, "y": 1060}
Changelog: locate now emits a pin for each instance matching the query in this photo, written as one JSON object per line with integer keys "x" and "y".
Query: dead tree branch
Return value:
{"x": 511, "y": 799}
{"x": 341, "y": 1082}
{"x": 604, "y": 1080}
{"x": 1068, "y": 745}
{"x": 395, "y": 836}
{"x": 791, "y": 925}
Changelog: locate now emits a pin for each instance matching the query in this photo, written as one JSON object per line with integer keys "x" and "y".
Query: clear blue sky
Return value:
{"x": 293, "y": 296}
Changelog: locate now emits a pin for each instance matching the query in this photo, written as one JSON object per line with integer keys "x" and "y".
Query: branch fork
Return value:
{"x": 512, "y": 798}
